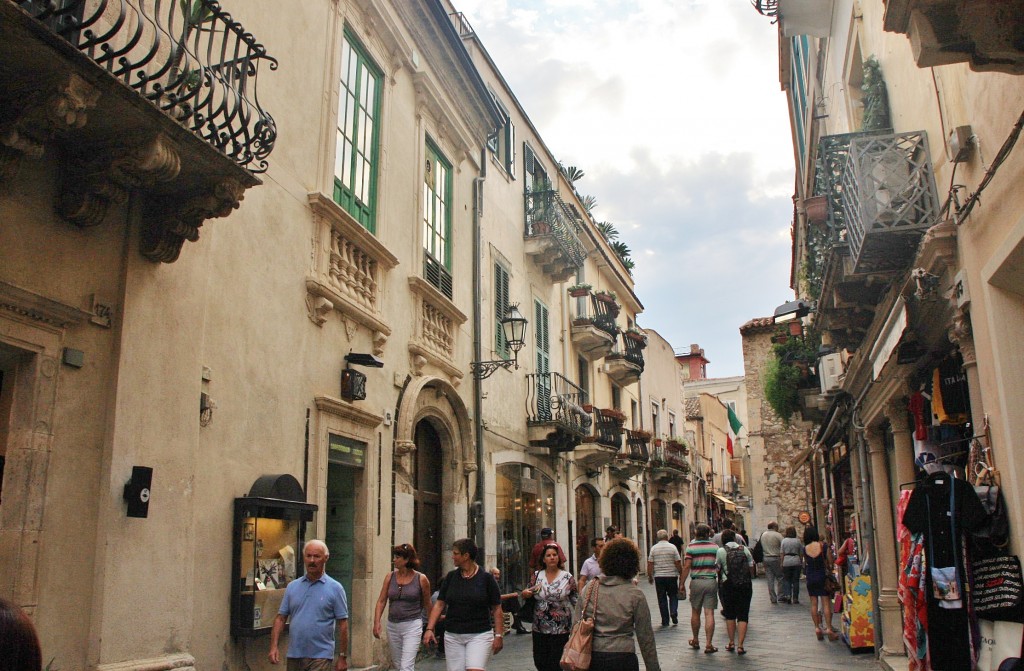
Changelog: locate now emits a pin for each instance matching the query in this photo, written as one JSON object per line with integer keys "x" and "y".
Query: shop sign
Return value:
{"x": 346, "y": 451}
{"x": 803, "y": 517}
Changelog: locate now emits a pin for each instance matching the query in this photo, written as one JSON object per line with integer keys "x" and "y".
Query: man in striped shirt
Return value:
{"x": 700, "y": 564}
{"x": 663, "y": 568}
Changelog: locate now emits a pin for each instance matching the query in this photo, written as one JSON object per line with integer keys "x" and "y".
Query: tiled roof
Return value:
{"x": 692, "y": 408}
{"x": 758, "y": 323}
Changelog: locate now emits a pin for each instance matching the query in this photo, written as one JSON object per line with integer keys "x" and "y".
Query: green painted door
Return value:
{"x": 341, "y": 523}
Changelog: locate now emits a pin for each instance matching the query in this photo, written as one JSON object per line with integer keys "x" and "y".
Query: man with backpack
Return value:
{"x": 737, "y": 589}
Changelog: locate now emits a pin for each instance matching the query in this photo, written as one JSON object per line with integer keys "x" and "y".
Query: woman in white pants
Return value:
{"x": 408, "y": 593}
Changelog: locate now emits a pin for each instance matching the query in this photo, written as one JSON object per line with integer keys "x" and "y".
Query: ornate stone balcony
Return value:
{"x": 157, "y": 99}
{"x": 556, "y": 416}
{"x": 437, "y": 328}
{"x": 552, "y": 235}
{"x": 983, "y": 33}
{"x": 349, "y": 266}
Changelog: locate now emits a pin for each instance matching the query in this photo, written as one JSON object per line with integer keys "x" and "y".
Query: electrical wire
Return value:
{"x": 1004, "y": 151}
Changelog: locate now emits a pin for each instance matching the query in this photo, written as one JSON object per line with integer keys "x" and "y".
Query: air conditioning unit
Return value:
{"x": 830, "y": 372}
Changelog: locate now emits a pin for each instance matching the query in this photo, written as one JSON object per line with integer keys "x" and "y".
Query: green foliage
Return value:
{"x": 573, "y": 174}
{"x": 876, "y": 99}
{"x": 783, "y": 373}
{"x": 608, "y": 230}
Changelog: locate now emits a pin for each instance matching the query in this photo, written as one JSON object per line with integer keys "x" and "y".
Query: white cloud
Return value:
{"x": 673, "y": 109}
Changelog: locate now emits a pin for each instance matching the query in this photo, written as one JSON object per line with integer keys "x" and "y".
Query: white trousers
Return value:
{"x": 404, "y": 639}
{"x": 467, "y": 651}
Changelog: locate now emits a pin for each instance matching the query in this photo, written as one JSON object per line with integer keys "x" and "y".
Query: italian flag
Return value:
{"x": 734, "y": 429}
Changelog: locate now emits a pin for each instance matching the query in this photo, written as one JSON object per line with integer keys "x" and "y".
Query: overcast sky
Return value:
{"x": 673, "y": 110}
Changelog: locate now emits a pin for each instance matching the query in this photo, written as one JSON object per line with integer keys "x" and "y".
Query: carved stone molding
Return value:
{"x": 437, "y": 324}
{"x": 404, "y": 447}
{"x": 95, "y": 180}
{"x": 171, "y": 220}
{"x": 340, "y": 408}
{"x": 39, "y": 308}
{"x": 348, "y": 268}
{"x": 961, "y": 334}
{"x": 896, "y": 412}
{"x": 48, "y": 108}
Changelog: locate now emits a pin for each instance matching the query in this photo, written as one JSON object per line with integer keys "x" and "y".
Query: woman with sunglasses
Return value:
{"x": 408, "y": 593}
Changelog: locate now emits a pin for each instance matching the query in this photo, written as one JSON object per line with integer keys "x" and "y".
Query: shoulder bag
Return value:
{"x": 577, "y": 651}
{"x": 525, "y": 613}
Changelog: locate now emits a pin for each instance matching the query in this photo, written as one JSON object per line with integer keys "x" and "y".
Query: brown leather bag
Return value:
{"x": 576, "y": 655}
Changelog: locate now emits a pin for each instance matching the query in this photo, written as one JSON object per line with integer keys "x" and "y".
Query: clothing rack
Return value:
{"x": 938, "y": 460}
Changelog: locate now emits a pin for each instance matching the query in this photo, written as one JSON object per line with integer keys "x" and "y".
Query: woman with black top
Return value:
{"x": 816, "y": 563}
{"x": 473, "y": 626}
{"x": 408, "y": 592}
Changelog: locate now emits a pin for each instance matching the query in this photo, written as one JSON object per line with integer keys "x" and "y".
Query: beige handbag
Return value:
{"x": 576, "y": 655}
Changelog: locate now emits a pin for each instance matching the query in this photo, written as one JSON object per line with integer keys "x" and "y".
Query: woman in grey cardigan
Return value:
{"x": 622, "y": 612}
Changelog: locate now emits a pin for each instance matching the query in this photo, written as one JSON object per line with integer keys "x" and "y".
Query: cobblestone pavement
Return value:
{"x": 780, "y": 637}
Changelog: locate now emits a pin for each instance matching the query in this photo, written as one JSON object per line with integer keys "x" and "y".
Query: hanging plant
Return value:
{"x": 784, "y": 372}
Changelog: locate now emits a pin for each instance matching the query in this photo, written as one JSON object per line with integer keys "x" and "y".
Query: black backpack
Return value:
{"x": 757, "y": 552}
{"x": 737, "y": 567}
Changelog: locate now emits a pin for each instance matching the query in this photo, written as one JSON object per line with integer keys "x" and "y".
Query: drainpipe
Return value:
{"x": 476, "y": 505}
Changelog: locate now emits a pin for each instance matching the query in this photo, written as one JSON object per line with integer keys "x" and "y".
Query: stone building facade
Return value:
{"x": 780, "y": 492}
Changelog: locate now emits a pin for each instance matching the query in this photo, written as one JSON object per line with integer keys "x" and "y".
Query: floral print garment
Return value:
{"x": 556, "y": 601}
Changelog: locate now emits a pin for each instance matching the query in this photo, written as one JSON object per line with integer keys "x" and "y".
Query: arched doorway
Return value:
{"x": 427, "y": 484}
{"x": 659, "y": 516}
{"x": 588, "y": 526}
{"x": 620, "y": 514}
{"x": 677, "y": 520}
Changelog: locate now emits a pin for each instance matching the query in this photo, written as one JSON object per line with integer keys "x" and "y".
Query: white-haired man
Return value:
{"x": 663, "y": 569}
{"x": 315, "y": 602}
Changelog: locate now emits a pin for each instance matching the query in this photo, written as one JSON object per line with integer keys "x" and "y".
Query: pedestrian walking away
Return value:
{"x": 792, "y": 559}
{"x": 621, "y": 612}
{"x": 771, "y": 546}
{"x": 555, "y": 598}
{"x": 474, "y": 628}
{"x": 19, "y": 643}
{"x": 406, "y": 593}
{"x": 700, "y": 564}
{"x": 737, "y": 589}
{"x": 677, "y": 541}
{"x": 316, "y": 604}
{"x": 817, "y": 565}
{"x": 663, "y": 570}
{"x": 592, "y": 567}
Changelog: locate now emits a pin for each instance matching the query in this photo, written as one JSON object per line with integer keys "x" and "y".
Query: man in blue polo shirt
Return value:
{"x": 315, "y": 602}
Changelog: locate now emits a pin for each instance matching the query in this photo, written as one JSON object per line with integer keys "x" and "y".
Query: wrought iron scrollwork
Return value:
{"x": 189, "y": 58}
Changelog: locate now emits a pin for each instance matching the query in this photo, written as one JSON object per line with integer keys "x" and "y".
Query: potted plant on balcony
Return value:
{"x": 605, "y": 296}
{"x": 613, "y": 413}
{"x": 579, "y": 290}
{"x": 816, "y": 208}
{"x": 640, "y": 434}
{"x": 539, "y": 210}
{"x": 634, "y": 334}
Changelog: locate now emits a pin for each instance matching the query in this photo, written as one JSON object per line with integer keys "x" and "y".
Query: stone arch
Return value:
{"x": 435, "y": 399}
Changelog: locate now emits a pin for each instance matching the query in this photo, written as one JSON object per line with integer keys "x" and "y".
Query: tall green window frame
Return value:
{"x": 358, "y": 136}
{"x": 437, "y": 220}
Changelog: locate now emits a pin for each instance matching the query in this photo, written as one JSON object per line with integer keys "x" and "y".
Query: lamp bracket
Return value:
{"x": 484, "y": 369}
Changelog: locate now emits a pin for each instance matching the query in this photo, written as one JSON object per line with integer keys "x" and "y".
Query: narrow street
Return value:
{"x": 780, "y": 637}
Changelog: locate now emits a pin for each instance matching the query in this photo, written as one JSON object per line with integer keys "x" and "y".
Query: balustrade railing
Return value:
{"x": 547, "y": 214}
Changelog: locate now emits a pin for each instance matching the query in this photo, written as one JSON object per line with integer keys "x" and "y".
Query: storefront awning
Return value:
{"x": 803, "y": 456}
{"x": 729, "y": 505}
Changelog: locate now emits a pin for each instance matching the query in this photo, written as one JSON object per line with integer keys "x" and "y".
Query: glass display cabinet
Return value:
{"x": 269, "y": 530}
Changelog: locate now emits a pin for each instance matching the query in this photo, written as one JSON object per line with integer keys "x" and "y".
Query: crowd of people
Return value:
{"x": 464, "y": 618}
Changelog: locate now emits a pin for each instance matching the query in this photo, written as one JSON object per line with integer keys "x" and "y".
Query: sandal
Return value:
{"x": 695, "y": 644}
{"x": 730, "y": 648}
{"x": 832, "y": 635}
{"x": 741, "y": 650}
{"x": 710, "y": 649}
{"x": 818, "y": 634}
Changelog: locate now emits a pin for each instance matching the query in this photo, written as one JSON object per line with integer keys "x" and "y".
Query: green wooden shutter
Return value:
{"x": 500, "y": 306}
{"x": 543, "y": 361}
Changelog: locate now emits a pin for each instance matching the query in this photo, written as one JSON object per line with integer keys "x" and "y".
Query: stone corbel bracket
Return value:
{"x": 170, "y": 221}
{"x": 49, "y": 108}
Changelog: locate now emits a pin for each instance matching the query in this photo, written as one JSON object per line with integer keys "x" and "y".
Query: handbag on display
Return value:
{"x": 525, "y": 613}
{"x": 998, "y": 589}
{"x": 837, "y": 603}
{"x": 1000, "y": 646}
{"x": 577, "y": 651}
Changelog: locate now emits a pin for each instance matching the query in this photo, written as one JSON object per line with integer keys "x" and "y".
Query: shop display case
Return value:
{"x": 269, "y": 529}
{"x": 858, "y": 627}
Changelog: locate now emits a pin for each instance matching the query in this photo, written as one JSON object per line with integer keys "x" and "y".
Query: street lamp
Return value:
{"x": 797, "y": 309}
{"x": 514, "y": 327}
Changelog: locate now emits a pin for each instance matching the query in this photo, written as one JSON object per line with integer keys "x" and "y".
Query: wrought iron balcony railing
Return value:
{"x": 188, "y": 58}
{"x": 551, "y": 398}
{"x": 636, "y": 448}
{"x": 547, "y": 214}
{"x": 882, "y": 196}
{"x": 608, "y": 427}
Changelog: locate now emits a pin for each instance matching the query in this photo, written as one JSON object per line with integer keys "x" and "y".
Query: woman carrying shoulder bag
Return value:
{"x": 555, "y": 595}
{"x": 408, "y": 593}
{"x": 621, "y": 613}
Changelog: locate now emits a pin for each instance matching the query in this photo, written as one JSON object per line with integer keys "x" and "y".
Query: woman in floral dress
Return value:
{"x": 556, "y": 593}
